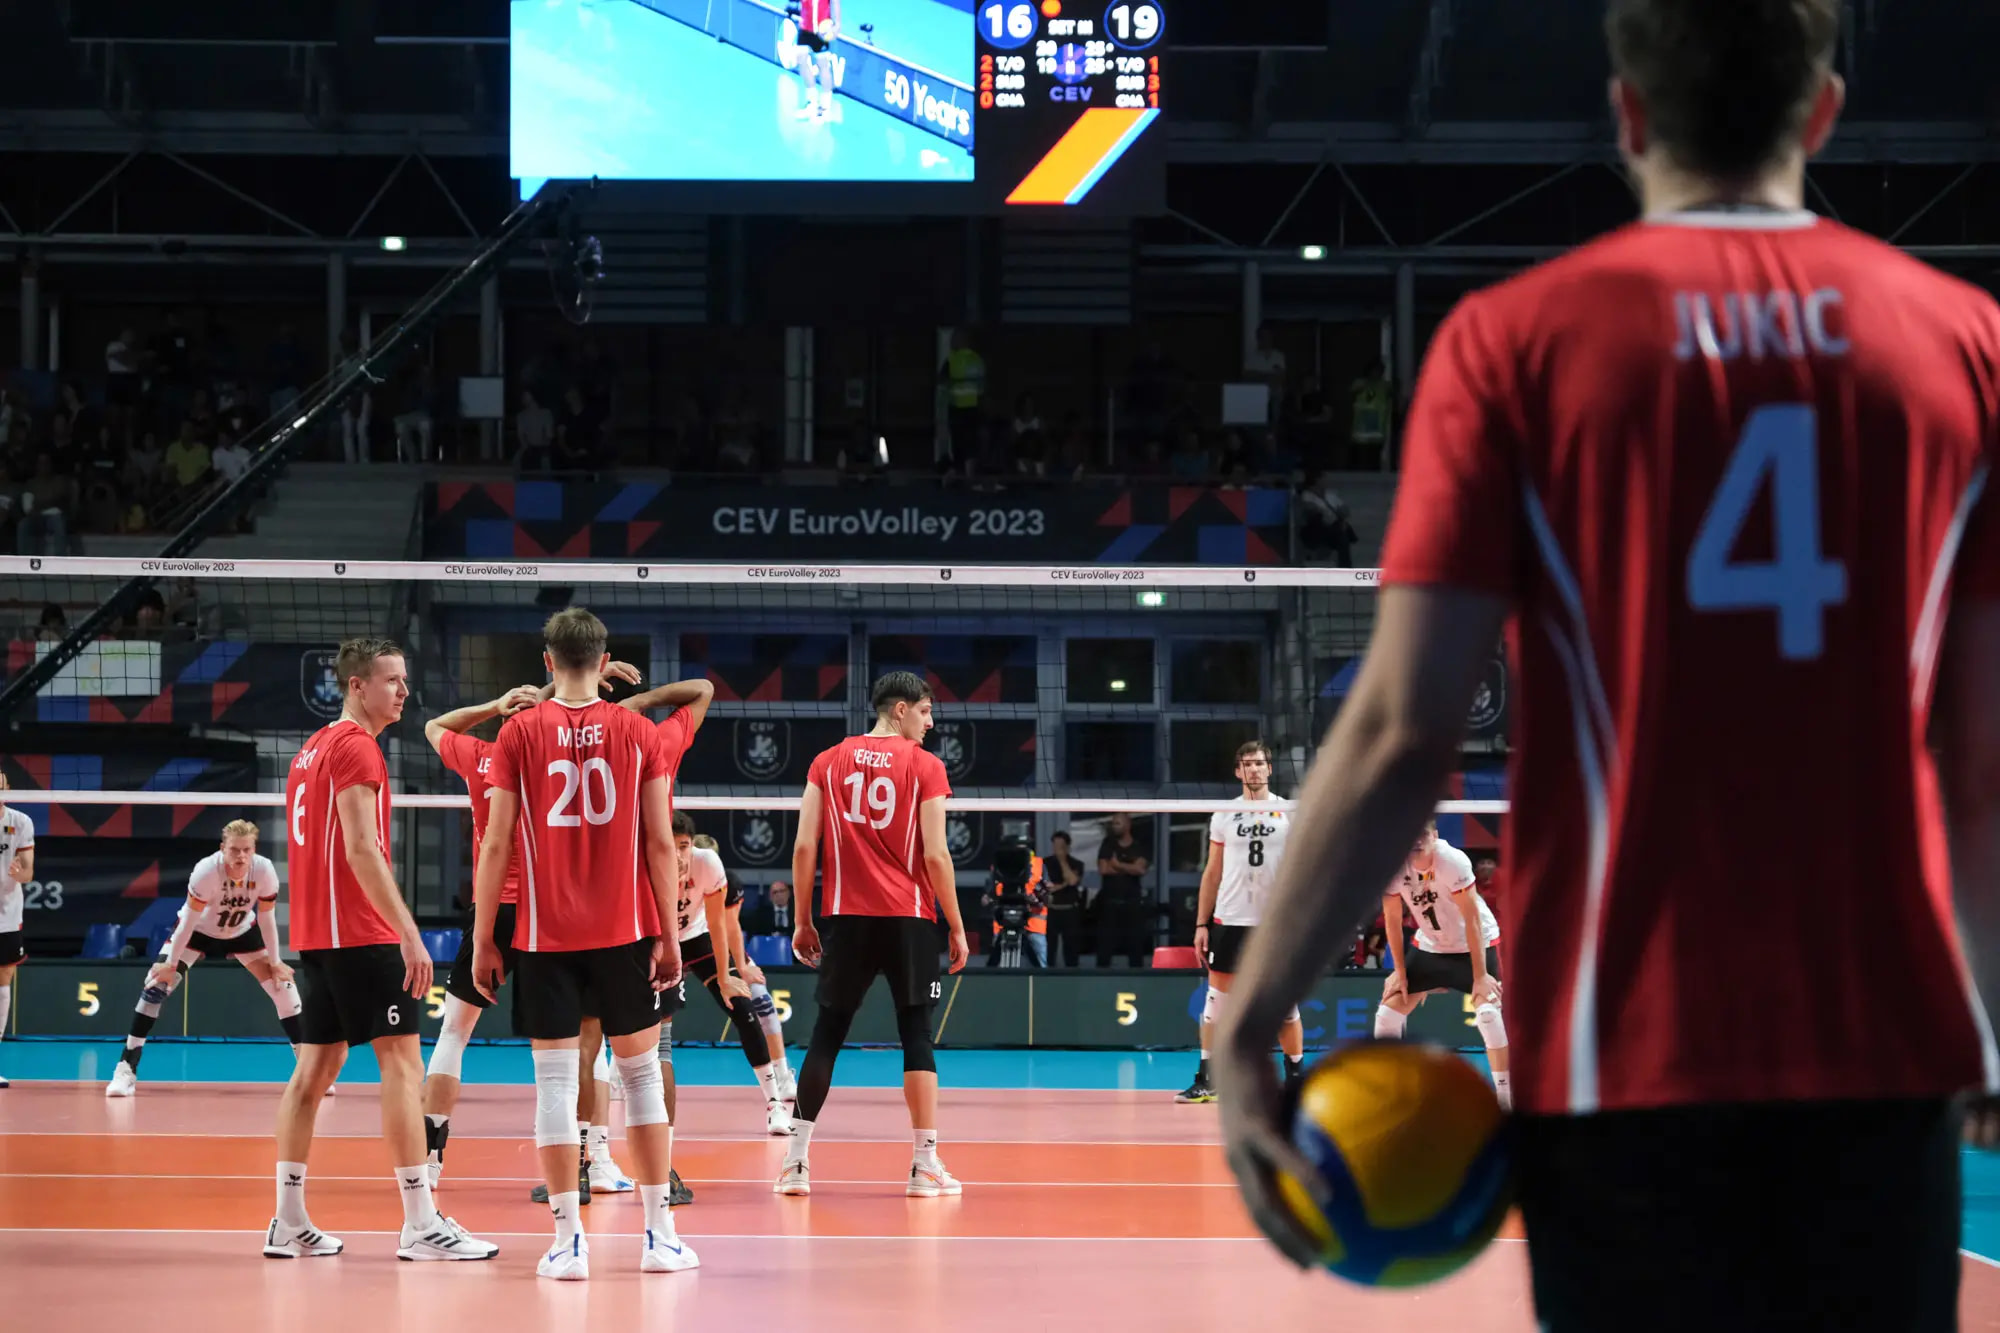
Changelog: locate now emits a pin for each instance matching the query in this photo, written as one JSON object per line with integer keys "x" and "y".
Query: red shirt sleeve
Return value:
{"x": 460, "y": 754}
{"x": 357, "y": 763}
{"x": 675, "y": 735}
{"x": 501, "y": 774}
{"x": 1455, "y": 515}
{"x": 932, "y": 781}
{"x": 660, "y": 762}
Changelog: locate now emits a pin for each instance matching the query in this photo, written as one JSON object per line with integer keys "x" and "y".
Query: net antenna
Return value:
{"x": 281, "y": 436}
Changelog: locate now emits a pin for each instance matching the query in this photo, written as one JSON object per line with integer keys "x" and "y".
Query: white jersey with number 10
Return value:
{"x": 1440, "y": 929}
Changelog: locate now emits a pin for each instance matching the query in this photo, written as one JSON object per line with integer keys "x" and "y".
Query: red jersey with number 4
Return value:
{"x": 1726, "y": 467}
{"x": 472, "y": 758}
{"x": 329, "y": 910}
{"x": 577, "y": 769}
{"x": 871, "y": 848}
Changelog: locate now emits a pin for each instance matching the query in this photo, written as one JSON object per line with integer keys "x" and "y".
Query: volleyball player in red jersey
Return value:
{"x": 580, "y": 797}
{"x": 876, "y": 804}
{"x": 362, "y": 968}
{"x": 819, "y": 24}
{"x": 1723, "y": 469}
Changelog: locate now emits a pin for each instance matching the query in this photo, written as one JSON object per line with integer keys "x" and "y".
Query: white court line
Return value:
{"x": 701, "y": 1180}
{"x": 202, "y": 1085}
{"x": 703, "y": 1236}
{"x": 1980, "y": 1258}
{"x": 457, "y": 1137}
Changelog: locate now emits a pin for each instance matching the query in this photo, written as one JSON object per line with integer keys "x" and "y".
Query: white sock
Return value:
{"x": 924, "y": 1146}
{"x": 419, "y": 1211}
{"x": 802, "y": 1133}
{"x": 563, "y": 1207}
{"x": 784, "y": 1070}
{"x": 292, "y": 1194}
{"x": 767, "y": 1079}
{"x": 1503, "y": 1088}
{"x": 659, "y": 1218}
{"x": 600, "y": 1143}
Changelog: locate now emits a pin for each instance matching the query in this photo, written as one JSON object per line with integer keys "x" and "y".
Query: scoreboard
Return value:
{"x": 1071, "y": 92}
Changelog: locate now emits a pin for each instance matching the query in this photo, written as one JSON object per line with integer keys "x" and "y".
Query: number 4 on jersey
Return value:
{"x": 1781, "y": 443}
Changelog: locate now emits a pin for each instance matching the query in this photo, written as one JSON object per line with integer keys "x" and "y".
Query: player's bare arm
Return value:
{"x": 1965, "y": 734}
{"x": 719, "y": 917}
{"x": 1375, "y": 782}
{"x": 22, "y": 868}
{"x": 943, "y": 876}
{"x": 663, "y": 863}
{"x": 461, "y": 720}
{"x": 267, "y": 930}
{"x": 805, "y": 870}
{"x": 738, "y": 958}
{"x": 624, "y": 671}
{"x": 489, "y": 880}
{"x": 162, "y": 972}
{"x": 1397, "y": 984}
{"x": 355, "y": 806}
{"x": 1485, "y": 990}
{"x": 1204, "y": 912}
{"x": 693, "y": 695}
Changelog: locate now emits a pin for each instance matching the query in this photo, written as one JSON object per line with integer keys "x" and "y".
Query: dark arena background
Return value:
{"x": 1056, "y": 351}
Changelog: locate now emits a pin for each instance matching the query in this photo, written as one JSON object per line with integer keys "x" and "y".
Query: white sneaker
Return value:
{"x": 444, "y": 1239}
{"x": 928, "y": 1182}
{"x": 795, "y": 1179}
{"x": 306, "y": 1242}
{"x": 666, "y": 1254}
{"x": 607, "y": 1178}
{"x": 566, "y": 1262}
{"x": 777, "y": 1120}
{"x": 4, "y": 1083}
{"x": 124, "y": 1081}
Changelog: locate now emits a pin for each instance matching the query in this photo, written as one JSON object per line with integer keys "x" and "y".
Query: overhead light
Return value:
{"x": 393, "y": 243}
{"x": 1117, "y": 687}
{"x": 1312, "y": 252}
{"x": 1152, "y": 600}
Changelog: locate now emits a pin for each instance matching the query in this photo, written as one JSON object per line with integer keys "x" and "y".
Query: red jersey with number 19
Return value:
{"x": 1726, "y": 467}
{"x": 578, "y": 770}
{"x": 329, "y": 909}
{"x": 472, "y": 758}
{"x": 872, "y": 855}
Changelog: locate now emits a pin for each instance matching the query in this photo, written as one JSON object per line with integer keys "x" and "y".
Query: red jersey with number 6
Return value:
{"x": 329, "y": 909}
{"x": 578, "y": 770}
{"x": 1727, "y": 469}
{"x": 871, "y": 848}
{"x": 472, "y": 758}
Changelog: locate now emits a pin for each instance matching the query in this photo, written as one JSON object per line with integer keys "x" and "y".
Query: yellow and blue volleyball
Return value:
{"x": 1414, "y": 1174}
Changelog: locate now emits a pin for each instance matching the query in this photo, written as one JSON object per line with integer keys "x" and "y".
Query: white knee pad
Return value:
{"x": 1389, "y": 1023}
{"x": 600, "y": 1068}
{"x": 556, "y": 1077}
{"x": 448, "y": 1056}
{"x": 1487, "y": 1018}
{"x": 645, "y": 1089}
{"x": 765, "y": 1008}
{"x": 1211, "y": 1006}
{"x": 285, "y": 995}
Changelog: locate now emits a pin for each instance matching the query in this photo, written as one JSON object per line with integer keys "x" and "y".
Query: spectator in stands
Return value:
{"x": 1486, "y": 878}
{"x": 148, "y": 619}
{"x": 771, "y": 915}
{"x": 1190, "y": 461}
{"x": 1326, "y": 528}
{"x": 187, "y": 459}
{"x": 1063, "y": 876}
{"x": 1029, "y": 439}
{"x": 1373, "y": 401}
{"x": 1125, "y": 912}
{"x": 358, "y": 409}
{"x": 230, "y": 459}
{"x": 534, "y": 434}
{"x": 61, "y": 437}
{"x": 84, "y": 420}
{"x": 579, "y": 435}
{"x": 1265, "y": 365}
{"x": 103, "y": 509}
{"x": 53, "y": 627}
{"x": 963, "y": 376}
{"x": 201, "y": 413}
{"x": 145, "y": 465}
{"x": 48, "y": 506}
{"x": 735, "y": 430}
{"x": 415, "y": 421}
{"x": 183, "y": 611}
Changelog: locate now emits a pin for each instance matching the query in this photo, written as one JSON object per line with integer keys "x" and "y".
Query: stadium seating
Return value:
{"x": 1179, "y": 955}
{"x": 157, "y": 939}
{"x": 106, "y": 939}
{"x": 768, "y": 950}
{"x": 442, "y": 945}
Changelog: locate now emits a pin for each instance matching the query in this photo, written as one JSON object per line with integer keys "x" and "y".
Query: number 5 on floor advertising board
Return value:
{"x": 957, "y": 106}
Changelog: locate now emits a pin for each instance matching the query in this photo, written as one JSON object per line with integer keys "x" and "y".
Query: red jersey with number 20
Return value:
{"x": 329, "y": 909}
{"x": 472, "y": 758}
{"x": 1726, "y": 467}
{"x": 578, "y": 770}
{"x": 871, "y": 848}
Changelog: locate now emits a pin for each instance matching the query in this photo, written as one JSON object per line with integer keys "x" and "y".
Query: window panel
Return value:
{"x": 1109, "y": 671}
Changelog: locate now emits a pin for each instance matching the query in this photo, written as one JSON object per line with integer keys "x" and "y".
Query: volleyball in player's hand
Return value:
{"x": 1414, "y": 1173}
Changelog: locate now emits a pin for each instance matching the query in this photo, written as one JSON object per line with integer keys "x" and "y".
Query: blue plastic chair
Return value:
{"x": 158, "y": 939}
{"x": 769, "y": 950}
{"x": 106, "y": 939}
{"x": 442, "y": 945}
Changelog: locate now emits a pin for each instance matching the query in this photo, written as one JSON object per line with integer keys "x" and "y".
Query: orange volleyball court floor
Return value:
{"x": 1107, "y": 1209}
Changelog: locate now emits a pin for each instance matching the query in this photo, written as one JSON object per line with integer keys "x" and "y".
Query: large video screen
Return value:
{"x": 952, "y": 105}
{"x": 743, "y": 90}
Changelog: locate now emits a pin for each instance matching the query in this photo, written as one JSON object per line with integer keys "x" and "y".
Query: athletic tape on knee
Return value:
{"x": 645, "y": 1089}
{"x": 285, "y": 995}
{"x": 765, "y": 1008}
{"x": 913, "y": 1029}
{"x": 1389, "y": 1023}
{"x": 448, "y": 1056}
{"x": 1211, "y": 1005}
{"x": 556, "y": 1078}
{"x": 1487, "y": 1018}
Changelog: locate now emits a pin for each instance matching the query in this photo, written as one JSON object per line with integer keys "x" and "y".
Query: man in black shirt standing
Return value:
{"x": 1063, "y": 877}
{"x": 1125, "y": 914}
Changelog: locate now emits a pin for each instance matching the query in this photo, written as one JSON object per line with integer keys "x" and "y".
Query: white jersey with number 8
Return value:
{"x": 1251, "y": 835}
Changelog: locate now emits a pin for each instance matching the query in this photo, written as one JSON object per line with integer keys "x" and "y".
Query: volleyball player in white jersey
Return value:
{"x": 231, "y": 912}
{"x": 1246, "y": 841}
{"x": 17, "y": 867}
{"x": 1437, "y": 885}
{"x": 761, "y": 1002}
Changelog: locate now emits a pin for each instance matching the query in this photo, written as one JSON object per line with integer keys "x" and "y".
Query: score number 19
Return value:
{"x": 1134, "y": 26}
